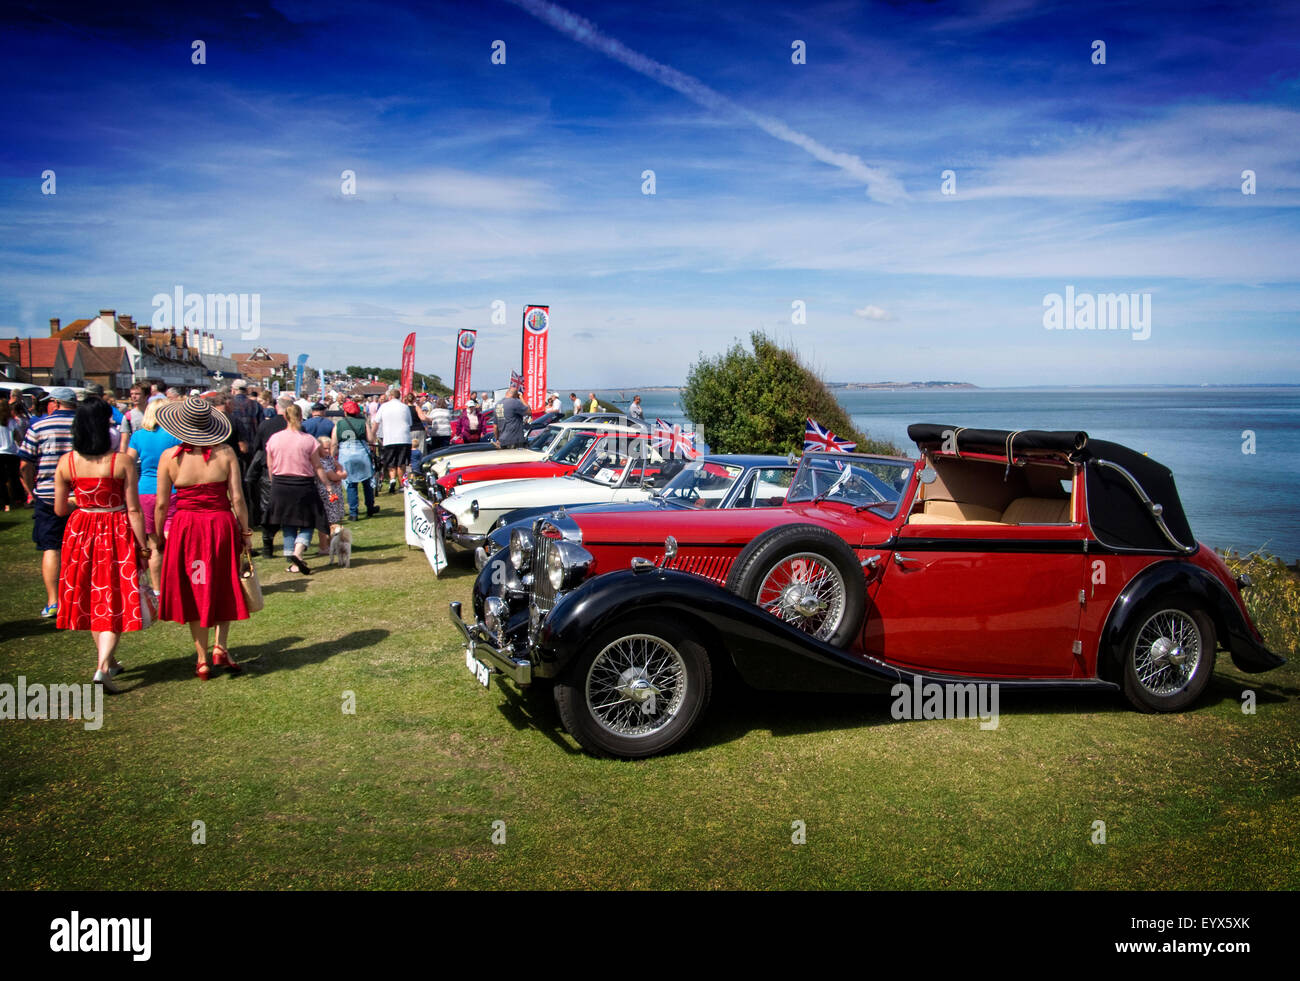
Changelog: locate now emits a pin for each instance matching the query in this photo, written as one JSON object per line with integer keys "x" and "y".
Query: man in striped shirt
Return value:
{"x": 47, "y": 439}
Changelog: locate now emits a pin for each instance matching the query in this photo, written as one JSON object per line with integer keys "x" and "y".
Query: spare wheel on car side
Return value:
{"x": 807, "y": 576}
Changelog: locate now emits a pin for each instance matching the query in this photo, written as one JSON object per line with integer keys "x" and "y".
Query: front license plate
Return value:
{"x": 477, "y": 668}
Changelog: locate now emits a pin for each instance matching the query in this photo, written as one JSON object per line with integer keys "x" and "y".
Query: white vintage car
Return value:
{"x": 539, "y": 445}
{"x": 621, "y": 467}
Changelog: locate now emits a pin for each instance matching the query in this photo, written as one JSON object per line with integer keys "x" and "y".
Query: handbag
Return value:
{"x": 250, "y": 584}
{"x": 354, "y": 457}
{"x": 148, "y": 602}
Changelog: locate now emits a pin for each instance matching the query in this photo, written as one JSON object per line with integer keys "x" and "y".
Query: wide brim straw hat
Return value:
{"x": 194, "y": 421}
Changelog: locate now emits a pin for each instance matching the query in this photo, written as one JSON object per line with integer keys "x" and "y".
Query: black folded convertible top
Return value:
{"x": 930, "y": 436}
{"x": 1133, "y": 504}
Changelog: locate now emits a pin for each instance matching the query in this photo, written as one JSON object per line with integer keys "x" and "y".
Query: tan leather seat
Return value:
{"x": 939, "y": 519}
{"x": 1037, "y": 511}
{"x": 956, "y": 512}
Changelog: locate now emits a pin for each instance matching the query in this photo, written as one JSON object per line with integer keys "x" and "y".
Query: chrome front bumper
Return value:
{"x": 479, "y": 643}
{"x": 452, "y": 536}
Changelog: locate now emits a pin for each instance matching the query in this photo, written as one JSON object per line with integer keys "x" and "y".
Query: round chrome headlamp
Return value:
{"x": 555, "y": 569}
{"x": 521, "y": 549}
{"x": 473, "y": 507}
{"x": 494, "y": 616}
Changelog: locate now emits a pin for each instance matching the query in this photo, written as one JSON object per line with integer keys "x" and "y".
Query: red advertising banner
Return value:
{"x": 464, "y": 355}
{"x": 408, "y": 364}
{"x": 537, "y": 322}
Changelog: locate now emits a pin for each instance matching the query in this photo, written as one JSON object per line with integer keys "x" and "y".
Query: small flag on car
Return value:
{"x": 673, "y": 440}
{"x": 816, "y": 439}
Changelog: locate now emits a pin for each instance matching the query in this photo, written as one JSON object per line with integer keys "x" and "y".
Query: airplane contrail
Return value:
{"x": 881, "y": 186}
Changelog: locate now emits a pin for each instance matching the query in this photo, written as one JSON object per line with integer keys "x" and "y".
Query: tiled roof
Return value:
{"x": 275, "y": 358}
{"x": 100, "y": 360}
{"x": 70, "y": 351}
{"x": 72, "y": 330}
{"x": 36, "y": 352}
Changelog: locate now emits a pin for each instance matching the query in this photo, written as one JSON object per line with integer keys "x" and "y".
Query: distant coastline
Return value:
{"x": 970, "y": 386}
{"x": 885, "y": 386}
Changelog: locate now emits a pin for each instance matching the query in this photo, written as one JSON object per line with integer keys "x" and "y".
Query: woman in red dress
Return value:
{"x": 99, "y": 566}
{"x": 209, "y": 529}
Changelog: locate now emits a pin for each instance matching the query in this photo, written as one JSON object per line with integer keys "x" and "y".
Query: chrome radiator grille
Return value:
{"x": 543, "y": 597}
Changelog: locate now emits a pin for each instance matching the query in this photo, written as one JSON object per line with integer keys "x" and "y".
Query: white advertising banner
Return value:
{"x": 423, "y": 531}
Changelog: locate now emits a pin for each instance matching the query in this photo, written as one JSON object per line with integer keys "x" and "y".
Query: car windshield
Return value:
{"x": 572, "y": 450}
{"x": 863, "y": 482}
{"x": 544, "y": 439}
{"x": 610, "y": 459}
{"x": 702, "y": 484}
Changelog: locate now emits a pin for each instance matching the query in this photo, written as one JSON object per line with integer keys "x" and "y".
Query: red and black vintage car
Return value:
{"x": 1023, "y": 559}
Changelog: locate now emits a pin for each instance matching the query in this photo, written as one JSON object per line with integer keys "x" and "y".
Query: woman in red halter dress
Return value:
{"x": 99, "y": 565}
{"x": 209, "y": 526}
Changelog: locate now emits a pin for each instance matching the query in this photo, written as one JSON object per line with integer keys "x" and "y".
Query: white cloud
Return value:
{"x": 1197, "y": 151}
{"x": 881, "y": 185}
{"x": 873, "y": 312}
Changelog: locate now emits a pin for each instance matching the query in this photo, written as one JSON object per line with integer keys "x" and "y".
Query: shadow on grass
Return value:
{"x": 17, "y": 629}
{"x": 738, "y": 710}
{"x": 255, "y": 659}
{"x": 534, "y": 708}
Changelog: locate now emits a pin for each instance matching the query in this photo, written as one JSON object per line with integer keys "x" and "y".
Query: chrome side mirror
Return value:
{"x": 670, "y": 551}
{"x": 927, "y": 475}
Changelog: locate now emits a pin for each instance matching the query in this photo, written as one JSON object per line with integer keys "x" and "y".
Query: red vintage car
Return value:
{"x": 1019, "y": 559}
{"x": 562, "y": 459}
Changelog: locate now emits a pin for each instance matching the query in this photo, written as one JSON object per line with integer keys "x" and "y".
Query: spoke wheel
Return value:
{"x": 806, "y": 590}
{"x": 636, "y": 690}
{"x": 1169, "y": 657}
{"x": 807, "y": 576}
{"x": 636, "y": 685}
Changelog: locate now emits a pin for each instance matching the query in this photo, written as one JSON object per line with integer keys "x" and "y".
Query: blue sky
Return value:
{"x": 775, "y": 182}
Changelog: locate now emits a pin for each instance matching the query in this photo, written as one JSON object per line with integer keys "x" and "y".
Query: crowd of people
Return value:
{"x": 145, "y": 509}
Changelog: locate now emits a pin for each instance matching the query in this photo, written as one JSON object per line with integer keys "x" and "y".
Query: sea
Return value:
{"x": 1235, "y": 452}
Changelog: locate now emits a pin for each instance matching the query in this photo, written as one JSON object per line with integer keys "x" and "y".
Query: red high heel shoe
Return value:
{"x": 203, "y": 671}
{"x": 221, "y": 659}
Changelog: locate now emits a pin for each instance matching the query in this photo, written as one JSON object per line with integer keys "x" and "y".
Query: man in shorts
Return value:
{"x": 48, "y": 438}
{"x": 393, "y": 427}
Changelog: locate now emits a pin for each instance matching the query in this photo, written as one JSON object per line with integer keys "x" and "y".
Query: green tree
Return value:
{"x": 757, "y": 402}
{"x": 392, "y": 376}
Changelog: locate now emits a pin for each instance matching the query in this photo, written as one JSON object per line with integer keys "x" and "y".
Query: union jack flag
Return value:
{"x": 673, "y": 440}
{"x": 816, "y": 438}
{"x": 516, "y": 380}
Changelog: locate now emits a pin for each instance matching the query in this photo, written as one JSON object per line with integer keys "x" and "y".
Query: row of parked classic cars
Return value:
{"x": 627, "y": 579}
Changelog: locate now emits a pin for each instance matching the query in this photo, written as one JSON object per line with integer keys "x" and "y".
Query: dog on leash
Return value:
{"x": 340, "y": 546}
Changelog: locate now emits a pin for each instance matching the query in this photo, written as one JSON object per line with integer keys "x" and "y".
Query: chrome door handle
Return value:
{"x": 901, "y": 560}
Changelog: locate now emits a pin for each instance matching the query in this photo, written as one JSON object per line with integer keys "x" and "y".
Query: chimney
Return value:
{"x": 127, "y": 322}
{"x": 16, "y": 351}
{"x": 109, "y": 315}
{"x": 54, "y": 326}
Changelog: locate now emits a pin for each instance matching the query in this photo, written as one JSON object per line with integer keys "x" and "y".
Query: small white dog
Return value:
{"x": 340, "y": 545}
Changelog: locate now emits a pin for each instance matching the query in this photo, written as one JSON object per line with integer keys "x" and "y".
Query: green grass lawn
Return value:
{"x": 295, "y": 794}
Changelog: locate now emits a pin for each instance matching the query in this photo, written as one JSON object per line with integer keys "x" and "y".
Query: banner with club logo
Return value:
{"x": 464, "y": 355}
{"x": 423, "y": 531}
{"x": 408, "y": 363}
{"x": 297, "y": 378}
{"x": 537, "y": 322}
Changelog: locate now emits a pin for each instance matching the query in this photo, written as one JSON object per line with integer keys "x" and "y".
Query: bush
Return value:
{"x": 1274, "y": 600}
{"x": 758, "y": 403}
